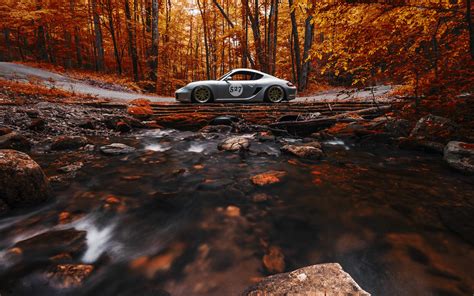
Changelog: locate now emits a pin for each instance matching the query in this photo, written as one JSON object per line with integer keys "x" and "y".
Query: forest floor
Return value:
{"x": 116, "y": 91}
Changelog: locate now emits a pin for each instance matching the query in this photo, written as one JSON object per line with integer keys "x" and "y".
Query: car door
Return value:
{"x": 239, "y": 87}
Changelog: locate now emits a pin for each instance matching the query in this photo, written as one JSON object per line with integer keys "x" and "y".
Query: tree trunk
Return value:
{"x": 470, "y": 27}
{"x": 41, "y": 39}
{"x": 206, "y": 43}
{"x": 114, "y": 40}
{"x": 6, "y": 34}
{"x": 308, "y": 42}
{"x": 131, "y": 41}
{"x": 296, "y": 42}
{"x": 153, "y": 58}
{"x": 98, "y": 37}
{"x": 77, "y": 41}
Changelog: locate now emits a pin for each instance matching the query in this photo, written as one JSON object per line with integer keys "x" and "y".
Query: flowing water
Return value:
{"x": 180, "y": 216}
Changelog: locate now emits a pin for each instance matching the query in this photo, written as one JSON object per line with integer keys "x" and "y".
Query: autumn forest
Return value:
{"x": 427, "y": 46}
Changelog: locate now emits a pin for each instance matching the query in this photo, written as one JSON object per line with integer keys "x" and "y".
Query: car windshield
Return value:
{"x": 222, "y": 77}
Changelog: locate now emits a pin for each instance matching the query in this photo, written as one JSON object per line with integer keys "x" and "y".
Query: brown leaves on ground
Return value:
{"x": 20, "y": 93}
{"x": 140, "y": 109}
{"x": 267, "y": 178}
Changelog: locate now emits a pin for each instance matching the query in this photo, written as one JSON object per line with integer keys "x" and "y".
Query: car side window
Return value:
{"x": 241, "y": 76}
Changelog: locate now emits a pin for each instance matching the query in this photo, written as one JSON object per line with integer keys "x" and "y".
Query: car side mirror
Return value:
{"x": 227, "y": 78}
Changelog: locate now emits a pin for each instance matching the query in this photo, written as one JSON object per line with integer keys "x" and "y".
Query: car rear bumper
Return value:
{"x": 291, "y": 93}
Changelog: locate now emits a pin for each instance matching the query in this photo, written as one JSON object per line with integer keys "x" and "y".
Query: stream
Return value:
{"x": 179, "y": 216}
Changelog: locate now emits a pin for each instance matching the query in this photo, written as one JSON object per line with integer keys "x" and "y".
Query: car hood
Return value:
{"x": 196, "y": 83}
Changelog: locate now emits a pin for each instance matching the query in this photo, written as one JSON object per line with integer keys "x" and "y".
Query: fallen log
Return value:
{"x": 305, "y": 127}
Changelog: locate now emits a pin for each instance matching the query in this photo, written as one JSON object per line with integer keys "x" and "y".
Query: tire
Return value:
{"x": 275, "y": 94}
{"x": 202, "y": 95}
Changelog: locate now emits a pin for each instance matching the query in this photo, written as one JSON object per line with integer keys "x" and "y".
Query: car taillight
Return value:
{"x": 290, "y": 84}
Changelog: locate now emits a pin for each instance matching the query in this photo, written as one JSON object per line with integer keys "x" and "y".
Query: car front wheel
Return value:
{"x": 275, "y": 94}
{"x": 202, "y": 94}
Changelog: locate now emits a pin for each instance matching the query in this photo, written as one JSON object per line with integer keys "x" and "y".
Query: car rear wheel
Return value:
{"x": 202, "y": 94}
{"x": 275, "y": 94}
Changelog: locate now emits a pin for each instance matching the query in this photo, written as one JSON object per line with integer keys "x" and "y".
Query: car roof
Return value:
{"x": 249, "y": 70}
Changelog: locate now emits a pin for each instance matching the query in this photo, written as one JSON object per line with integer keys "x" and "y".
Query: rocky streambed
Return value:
{"x": 213, "y": 212}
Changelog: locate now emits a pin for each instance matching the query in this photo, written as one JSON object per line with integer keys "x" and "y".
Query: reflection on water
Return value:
{"x": 193, "y": 224}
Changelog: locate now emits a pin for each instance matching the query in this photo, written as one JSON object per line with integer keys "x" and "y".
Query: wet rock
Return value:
{"x": 73, "y": 167}
{"x": 274, "y": 260}
{"x": 421, "y": 145}
{"x": 434, "y": 128}
{"x": 215, "y": 184}
{"x": 460, "y": 156}
{"x": 117, "y": 149}
{"x": 65, "y": 276}
{"x": 22, "y": 181}
{"x": 236, "y": 143}
{"x": 68, "y": 142}
{"x": 122, "y": 126}
{"x": 86, "y": 124}
{"x": 219, "y": 129}
{"x": 37, "y": 124}
{"x": 14, "y": 141}
{"x": 310, "y": 150}
{"x": 265, "y": 137}
{"x": 224, "y": 120}
{"x": 151, "y": 124}
{"x": 397, "y": 127}
{"x": 267, "y": 178}
{"x": 54, "y": 242}
{"x": 5, "y": 130}
{"x": 321, "y": 279}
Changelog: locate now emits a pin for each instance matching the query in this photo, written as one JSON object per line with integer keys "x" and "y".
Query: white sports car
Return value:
{"x": 239, "y": 85}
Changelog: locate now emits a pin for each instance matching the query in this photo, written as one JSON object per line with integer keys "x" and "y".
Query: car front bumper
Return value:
{"x": 183, "y": 95}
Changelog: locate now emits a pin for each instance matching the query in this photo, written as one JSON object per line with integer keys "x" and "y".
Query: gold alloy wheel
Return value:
{"x": 202, "y": 95}
{"x": 275, "y": 94}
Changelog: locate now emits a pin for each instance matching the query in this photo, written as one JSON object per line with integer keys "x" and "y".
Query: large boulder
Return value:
{"x": 236, "y": 143}
{"x": 315, "y": 280}
{"x": 68, "y": 142}
{"x": 460, "y": 155}
{"x": 22, "y": 181}
{"x": 14, "y": 141}
{"x": 310, "y": 150}
{"x": 434, "y": 128}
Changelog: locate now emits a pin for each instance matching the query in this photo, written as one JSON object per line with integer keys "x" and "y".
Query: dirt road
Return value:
{"x": 26, "y": 73}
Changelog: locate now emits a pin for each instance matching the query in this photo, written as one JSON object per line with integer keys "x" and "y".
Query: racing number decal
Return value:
{"x": 236, "y": 89}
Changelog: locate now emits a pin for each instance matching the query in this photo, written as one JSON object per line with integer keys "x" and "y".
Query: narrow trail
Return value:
{"x": 13, "y": 71}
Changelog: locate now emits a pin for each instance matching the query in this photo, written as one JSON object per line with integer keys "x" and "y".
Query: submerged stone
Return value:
{"x": 65, "y": 276}
{"x": 309, "y": 150}
{"x": 236, "y": 143}
{"x": 116, "y": 149}
{"x": 267, "y": 178}
{"x": 68, "y": 142}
